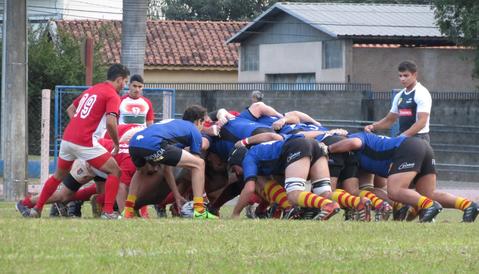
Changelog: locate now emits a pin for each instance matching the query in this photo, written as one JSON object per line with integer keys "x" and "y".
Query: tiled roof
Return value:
{"x": 168, "y": 43}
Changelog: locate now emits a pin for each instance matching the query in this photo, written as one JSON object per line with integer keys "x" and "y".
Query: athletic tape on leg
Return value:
{"x": 293, "y": 184}
{"x": 320, "y": 186}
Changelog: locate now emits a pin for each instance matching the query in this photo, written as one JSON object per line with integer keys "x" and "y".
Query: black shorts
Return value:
{"x": 70, "y": 183}
{"x": 168, "y": 154}
{"x": 414, "y": 154}
{"x": 298, "y": 148}
{"x": 341, "y": 165}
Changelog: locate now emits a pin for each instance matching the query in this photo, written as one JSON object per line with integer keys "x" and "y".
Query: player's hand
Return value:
{"x": 324, "y": 148}
{"x": 339, "y": 131}
{"x": 115, "y": 150}
{"x": 180, "y": 201}
{"x": 279, "y": 124}
{"x": 369, "y": 128}
{"x": 222, "y": 121}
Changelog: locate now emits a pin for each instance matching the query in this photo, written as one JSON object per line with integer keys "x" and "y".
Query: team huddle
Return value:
{"x": 281, "y": 165}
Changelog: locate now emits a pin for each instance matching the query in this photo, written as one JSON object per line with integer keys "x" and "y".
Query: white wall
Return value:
{"x": 292, "y": 58}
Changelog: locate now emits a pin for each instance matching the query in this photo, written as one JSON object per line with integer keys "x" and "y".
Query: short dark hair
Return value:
{"x": 407, "y": 66}
{"x": 136, "y": 77}
{"x": 194, "y": 112}
{"x": 117, "y": 70}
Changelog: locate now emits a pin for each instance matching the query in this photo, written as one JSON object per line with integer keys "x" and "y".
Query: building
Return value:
{"x": 362, "y": 43}
{"x": 44, "y": 10}
{"x": 176, "y": 51}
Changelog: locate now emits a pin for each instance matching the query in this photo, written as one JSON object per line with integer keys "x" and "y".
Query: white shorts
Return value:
{"x": 70, "y": 151}
{"x": 83, "y": 172}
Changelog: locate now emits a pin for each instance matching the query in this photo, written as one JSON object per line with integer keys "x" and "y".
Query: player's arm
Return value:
{"x": 170, "y": 180}
{"x": 259, "y": 109}
{"x": 418, "y": 125}
{"x": 259, "y": 138}
{"x": 223, "y": 116}
{"x": 303, "y": 117}
{"x": 150, "y": 115}
{"x": 112, "y": 129}
{"x": 243, "y": 199}
{"x": 346, "y": 145}
{"x": 71, "y": 111}
{"x": 384, "y": 123}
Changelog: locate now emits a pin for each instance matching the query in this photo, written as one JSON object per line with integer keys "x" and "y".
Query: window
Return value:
{"x": 292, "y": 81}
{"x": 332, "y": 54}
{"x": 249, "y": 58}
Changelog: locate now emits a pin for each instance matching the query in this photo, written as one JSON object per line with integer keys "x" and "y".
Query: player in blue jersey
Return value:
{"x": 162, "y": 145}
{"x": 296, "y": 159}
{"x": 404, "y": 161}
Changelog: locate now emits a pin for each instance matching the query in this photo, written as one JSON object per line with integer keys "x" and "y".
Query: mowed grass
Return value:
{"x": 170, "y": 245}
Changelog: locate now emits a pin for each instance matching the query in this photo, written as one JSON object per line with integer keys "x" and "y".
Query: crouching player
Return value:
{"x": 296, "y": 159}
{"x": 163, "y": 144}
{"x": 405, "y": 160}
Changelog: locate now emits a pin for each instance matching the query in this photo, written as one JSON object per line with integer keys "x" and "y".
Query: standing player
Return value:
{"x": 412, "y": 106}
{"x": 88, "y": 112}
{"x": 134, "y": 107}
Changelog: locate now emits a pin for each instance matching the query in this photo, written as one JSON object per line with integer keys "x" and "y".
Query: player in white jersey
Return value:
{"x": 134, "y": 107}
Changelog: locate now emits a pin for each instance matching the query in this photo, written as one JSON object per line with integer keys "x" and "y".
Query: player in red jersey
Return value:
{"x": 88, "y": 113}
{"x": 134, "y": 107}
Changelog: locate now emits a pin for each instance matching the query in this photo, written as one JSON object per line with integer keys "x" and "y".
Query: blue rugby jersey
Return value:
{"x": 239, "y": 128}
{"x": 220, "y": 147}
{"x": 262, "y": 159}
{"x": 174, "y": 131}
{"x": 376, "y": 153}
{"x": 290, "y": 128}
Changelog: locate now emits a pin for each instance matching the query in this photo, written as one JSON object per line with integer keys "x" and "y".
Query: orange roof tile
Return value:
{"x": 168, "y": 43}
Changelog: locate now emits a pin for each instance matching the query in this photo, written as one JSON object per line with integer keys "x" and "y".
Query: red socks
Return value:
{"x": 111, "y": 189}
{"x": 48, "y": 189}
{"x": 84, "y": 194}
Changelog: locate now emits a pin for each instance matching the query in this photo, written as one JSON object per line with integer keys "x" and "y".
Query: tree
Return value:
{"x": 459, "y": 20}
{"x": 52, "y": 63}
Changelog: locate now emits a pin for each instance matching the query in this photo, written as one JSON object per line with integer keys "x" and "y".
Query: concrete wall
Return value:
{"x": 438, "y": 69}
{"x": 294, "y": 58}
{"x": 190, "y": 76}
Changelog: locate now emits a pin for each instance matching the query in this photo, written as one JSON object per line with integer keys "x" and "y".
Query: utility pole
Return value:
{"x": 14, "y": 99}
{"x": 133, "y": 35}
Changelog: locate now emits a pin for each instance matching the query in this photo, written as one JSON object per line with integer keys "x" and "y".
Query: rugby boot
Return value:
{"x": 58, "y": 210}
{"x": 349, "y": 214}
{"x": 23, "y": 209}
{"x": 96, "y": 207}
{"x": 308, "y": 213}
{"x": 34, "y": 213}
{"x": 412, "y": 214}
{"x": 292, "y": 213}
{"x": 205, "y": 215}
{"x": 400, "y": 214}
{"x": 427, "y": 215}
{"x": 383, "y": 212}
{"x": 160, "y": 211}
{"x": 110, "y": 216}
{"x": 363, "y": 212}
{"x": 327, "y": 211}
{"x": 250, "y": 211}
{"x": 74, "y": 209}
{"x": 470, "y": 213}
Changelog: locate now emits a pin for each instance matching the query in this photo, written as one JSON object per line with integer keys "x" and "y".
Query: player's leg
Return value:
{"x": 426, "y": 185}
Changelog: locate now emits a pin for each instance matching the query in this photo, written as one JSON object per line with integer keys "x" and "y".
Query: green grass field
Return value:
{"x": 234, "y": 246}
